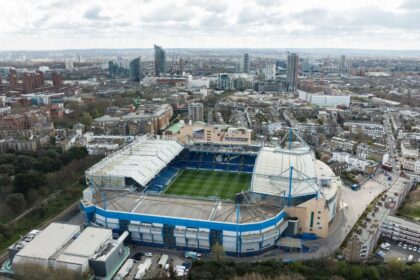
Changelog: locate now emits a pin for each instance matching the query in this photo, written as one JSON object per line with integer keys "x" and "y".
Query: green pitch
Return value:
{"x": 208, "y": 183}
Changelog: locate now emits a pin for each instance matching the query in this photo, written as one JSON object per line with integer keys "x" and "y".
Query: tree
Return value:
{"x": 87, "y": 119}
{"x": 16, "y": 202}
{"x": 28, "y": 180}
{"x": 23, "y": 162}
{"x": 218, "y": 251}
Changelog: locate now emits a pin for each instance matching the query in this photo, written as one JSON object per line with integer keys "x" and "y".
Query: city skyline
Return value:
{"x": 388, "y": 25}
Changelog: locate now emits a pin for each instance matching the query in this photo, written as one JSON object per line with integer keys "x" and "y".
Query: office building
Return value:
{"x": 246, "y": 63}
{"x": 135, "y": 70}
{"x": 292, "y": 71}
{"x": 160, "y": 61}
{"x": 195, "y": 112}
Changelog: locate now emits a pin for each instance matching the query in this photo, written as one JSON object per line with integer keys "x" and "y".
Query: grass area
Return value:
{"x": 205, "y": 183}
{"x": 411, "y": 207}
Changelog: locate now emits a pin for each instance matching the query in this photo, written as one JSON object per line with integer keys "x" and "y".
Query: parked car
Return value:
{"x": 148, "y": 254}
{"x": 400, "y": 244}
{"x": 410, "y": 247}
{"x": 137, "y": 256}
{"x": 405, "y": 247}
{"x": 415, "y": 249}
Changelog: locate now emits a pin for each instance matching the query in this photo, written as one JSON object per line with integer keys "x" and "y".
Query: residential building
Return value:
{"x": 401, "y": 230}
{"x": 292, "y": 71}
{"x": 342, "y": 144}
{"x": 57, "y": 79}
{"x": 375, "y": 151}
{"x": 211, "y": 133}
{"x": 195, "y": 112}
{"x": 325, "y": 100}
{"x": 410, "y": 158}
{"x": 135, "y": 70}
{"x": 371, "y": 130}
{"x": 246, "y": 63}
{"x": 224, "y": 82}
{"x": 355, "y": 163}
{"x": 160, "y": 61}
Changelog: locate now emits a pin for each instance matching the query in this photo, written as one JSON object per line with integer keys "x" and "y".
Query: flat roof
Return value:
{"x": 187, "y": 208}
{"x": 49, "y": 241}
{"x": 89, "y": 241}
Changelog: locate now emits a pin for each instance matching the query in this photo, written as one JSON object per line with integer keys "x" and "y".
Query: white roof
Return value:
{"x": 140, "y": 160}
{"x": 272, "y": 171}
{"x": 86, "y": 245}
{"x": 49, "y": 241}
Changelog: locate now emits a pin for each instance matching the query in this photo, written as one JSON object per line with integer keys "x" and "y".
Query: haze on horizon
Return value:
{"x": 75, "y": 24}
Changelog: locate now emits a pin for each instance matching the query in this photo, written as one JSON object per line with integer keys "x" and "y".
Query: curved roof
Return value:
{"x": 272, "y": 171}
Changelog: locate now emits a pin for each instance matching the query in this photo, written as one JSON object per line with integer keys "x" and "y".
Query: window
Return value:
{"x": 311, "y": 223}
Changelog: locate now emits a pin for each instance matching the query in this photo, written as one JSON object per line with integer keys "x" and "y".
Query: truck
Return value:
{"x": 142, "y": 268}
{"x": 163, "y": 260}
{"x": 192, "y": 255}
{"x": 124, "y": 270}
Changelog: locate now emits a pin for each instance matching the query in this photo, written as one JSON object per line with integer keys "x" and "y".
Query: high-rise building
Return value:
{"x": 246, "y": 63}
{"x": 270, "y": 72}
{"x": 342, "y": 64}
{"x": 27, "y": 83}
{"x": 135, "y": 70}
{"x": 224, "y": 81}
{"x": 196, "y": 112}
{"x": 68, "y": 63}
{"x": 56, "y": 79}
{"x": 13, "y": 80}
{"x": 160, "y": 60}
{"x": 292, "y": 71}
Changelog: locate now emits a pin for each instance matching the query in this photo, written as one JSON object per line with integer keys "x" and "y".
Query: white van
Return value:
{"x": 410, "y": 258}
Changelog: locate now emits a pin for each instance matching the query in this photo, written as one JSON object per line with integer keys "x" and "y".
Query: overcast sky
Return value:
{"x": 74, "y": 24}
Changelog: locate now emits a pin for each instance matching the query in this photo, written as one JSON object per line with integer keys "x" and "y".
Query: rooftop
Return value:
{"x": 187, "y": 208}
{"x": 49, "y": 241}
{"x": 141, "y": 161}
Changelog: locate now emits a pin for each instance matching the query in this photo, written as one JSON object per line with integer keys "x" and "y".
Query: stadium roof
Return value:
{"x": 272, "y": 171}
{"x": 188, "y": 208}
{"x": 140, "y": 160}
{"x": 49, "y": 241}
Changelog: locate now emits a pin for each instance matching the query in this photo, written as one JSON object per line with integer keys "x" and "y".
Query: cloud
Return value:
{"x": 411, "y": 5}
{"x": 94, "y": 13}
{"x": 203, "y": 23}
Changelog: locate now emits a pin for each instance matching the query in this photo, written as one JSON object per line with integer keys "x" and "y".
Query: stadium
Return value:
{"x": 192, "y": 196}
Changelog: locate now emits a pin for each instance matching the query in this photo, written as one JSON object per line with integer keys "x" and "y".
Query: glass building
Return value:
{"x": 160, "y": 61}
{"x": 135, "y": 70}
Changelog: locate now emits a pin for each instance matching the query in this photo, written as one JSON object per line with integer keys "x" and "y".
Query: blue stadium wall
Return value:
{"x": 186, "y": 234}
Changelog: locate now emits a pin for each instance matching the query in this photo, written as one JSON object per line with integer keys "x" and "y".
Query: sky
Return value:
{"x": 74, "y": 24}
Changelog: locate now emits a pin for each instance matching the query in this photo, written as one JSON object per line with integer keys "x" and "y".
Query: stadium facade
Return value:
{"x": 291, "y": 193}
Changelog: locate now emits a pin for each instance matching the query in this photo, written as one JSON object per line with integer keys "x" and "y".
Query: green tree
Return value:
{"x": 87, "y": 119}
{"x": 28, "y": 180}
{"x": 16, "y": 202}
{"x": 23, "y": 162}
{"x": 218, "y": 251}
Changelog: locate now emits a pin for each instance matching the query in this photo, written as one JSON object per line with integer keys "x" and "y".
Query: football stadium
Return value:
{"x": 192, "y": 196}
